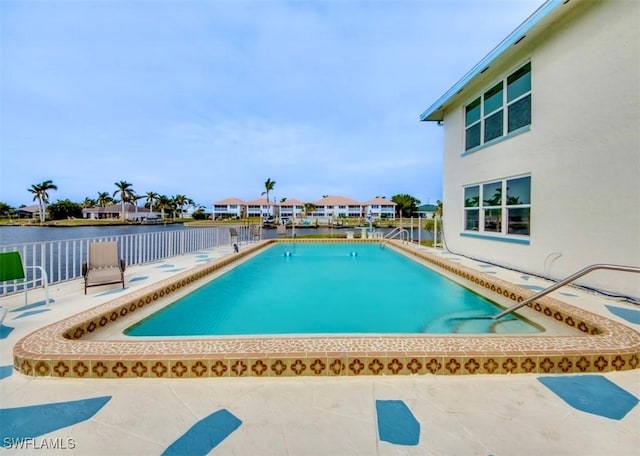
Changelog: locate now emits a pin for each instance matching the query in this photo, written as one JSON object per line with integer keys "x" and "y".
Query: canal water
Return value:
{"x": 13, "y": 235}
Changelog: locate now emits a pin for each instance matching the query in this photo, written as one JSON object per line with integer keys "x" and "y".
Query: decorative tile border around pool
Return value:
{"x": 59, "y": 350}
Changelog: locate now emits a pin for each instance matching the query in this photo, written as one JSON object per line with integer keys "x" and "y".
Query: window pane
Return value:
{"x": 473, "y": 137}
{"x": 472, "y": 112}
{"x": 492, "y": 194}
{"x": 472, "y": 220}
{"x": 519, "y": 191}
{"x": 493, "y": 220}
{"x": 493, "y": 126}
{"x": 472, "y": 196}
{"x": 493, "y": 99}
{"x": 519, "y": 83}
{"x": 520, "y": 113}
{"x": 519, "y": 221}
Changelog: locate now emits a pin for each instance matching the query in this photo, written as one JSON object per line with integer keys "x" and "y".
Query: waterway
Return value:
{"x": 13, "y": 235}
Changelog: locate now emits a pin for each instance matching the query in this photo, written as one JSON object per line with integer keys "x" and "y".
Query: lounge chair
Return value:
{"x": 12, "y": 269}
{"x": 281, "y": 229}
{"x": 104, "y": 267}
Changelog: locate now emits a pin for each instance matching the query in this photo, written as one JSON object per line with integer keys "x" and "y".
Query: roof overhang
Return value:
{"x": 540, "y": 17}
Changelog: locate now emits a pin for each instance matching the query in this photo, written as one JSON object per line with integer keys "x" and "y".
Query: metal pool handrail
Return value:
{"x": 398, "y": 231}
{"x": 571, "y": 278}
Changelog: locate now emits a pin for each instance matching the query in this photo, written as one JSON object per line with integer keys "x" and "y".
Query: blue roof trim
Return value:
{"x": 523, "y": 29}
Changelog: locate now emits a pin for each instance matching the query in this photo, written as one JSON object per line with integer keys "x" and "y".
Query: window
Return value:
{"x": 486, "y": 209}
{"x": 471, "y": 205}
{"x": 497, "y": 111}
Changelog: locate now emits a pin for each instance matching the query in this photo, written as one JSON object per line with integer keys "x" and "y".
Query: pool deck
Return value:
{"x": 327, "y": 415}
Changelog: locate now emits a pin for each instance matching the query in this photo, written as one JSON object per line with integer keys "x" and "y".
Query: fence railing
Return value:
{"x": 62, "y": 259}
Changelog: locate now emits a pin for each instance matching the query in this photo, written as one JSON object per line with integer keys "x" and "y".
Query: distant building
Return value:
{"x": 327, "y": 208}
{"x": 114, "y": 212}
{"x": 32, "y": 211}
{"x": 380, "y": 208}
{"x": 337, "y": 207}
{"x": 229, "y": 208}
{"x": 427, "y": 210}
{"x": 292, "y": 208}
{"x": 262, "y": 208}
{"x": 542, "y": 146}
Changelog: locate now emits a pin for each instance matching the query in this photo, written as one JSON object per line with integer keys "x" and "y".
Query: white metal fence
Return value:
{"x": 62, "y": 259}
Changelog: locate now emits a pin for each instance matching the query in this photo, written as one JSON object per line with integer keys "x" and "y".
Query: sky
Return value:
{"x": 209, "y": 99}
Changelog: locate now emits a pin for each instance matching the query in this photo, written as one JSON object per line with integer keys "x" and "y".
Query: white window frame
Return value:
{"x": 503, "y": 208}
{"x": 485, "y": 115}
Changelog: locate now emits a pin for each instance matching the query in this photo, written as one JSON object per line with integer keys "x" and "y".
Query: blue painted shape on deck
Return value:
{"x": 36, "y": 420}
{"x": 631, "y": 315}
{"x": 524, "y": 277}
{"x": 396, "y": 423}
{"x": 592, "y": 394}
{"x": 205, "y": 435}
{"x": 165, "y": 266}
{"x": 110, "y": 292}
{"x": 31, "y": 306}
{"x": 175, "y": 270}
{"x": 138, "y": 279}
{"x": 6, "y": 371}
{"x": 5, "y": 331}
{"x": 31, "y": 312}
{"x": 532, "y": 287}
{"x": 569, "y": 294}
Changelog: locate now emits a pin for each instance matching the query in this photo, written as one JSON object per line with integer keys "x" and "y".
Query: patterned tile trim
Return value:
{"x": 60, "y": 350}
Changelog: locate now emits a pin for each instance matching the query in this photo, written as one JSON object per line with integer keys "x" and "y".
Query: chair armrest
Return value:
{"x": 123, "y": 264}
{"x": 43, "y": 273}
{"x": 84, "y": 269}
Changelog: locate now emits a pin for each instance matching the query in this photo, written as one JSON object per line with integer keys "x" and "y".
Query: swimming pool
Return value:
{"x": 327, "y": 289}
{"x": 87, "y": 344}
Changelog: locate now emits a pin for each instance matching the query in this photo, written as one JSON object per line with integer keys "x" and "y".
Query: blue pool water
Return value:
{"x": 325, "y": 289}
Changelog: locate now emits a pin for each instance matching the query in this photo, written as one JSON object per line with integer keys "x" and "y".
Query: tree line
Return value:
{"x": 406, "y": 205}
{"x": 124, "y": 193}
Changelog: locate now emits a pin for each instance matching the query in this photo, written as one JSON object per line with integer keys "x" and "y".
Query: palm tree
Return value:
{"x": 40, "y": 193}
{"x": 126, "y": 193}
{"x": 103, "y": 199}
{"x": 268, "y": 186}
{"x": 181, "y": 201}
{"x": 88, "y": 203}
{"x": 151, "y": 197}
{"x": 163, "y": 203}
{"x": 134, "y": 199}
{"x": 308, "y": 208}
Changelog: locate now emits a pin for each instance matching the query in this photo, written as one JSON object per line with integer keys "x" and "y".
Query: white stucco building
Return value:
{"x": 380, "y": 208}
{"x": 229, "y": 207}
{"x": 541, "y": 164}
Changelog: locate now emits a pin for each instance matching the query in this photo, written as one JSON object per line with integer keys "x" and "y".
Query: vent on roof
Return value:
{"x": 485, "y": 69}
{"x": 519, "y": 39}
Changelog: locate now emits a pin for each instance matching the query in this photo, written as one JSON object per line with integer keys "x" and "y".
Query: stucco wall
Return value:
{"x": 582, "y": 150}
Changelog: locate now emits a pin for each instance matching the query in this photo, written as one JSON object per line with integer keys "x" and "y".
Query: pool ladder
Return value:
{"x": 398, "y": 231}
{"x": 568, "y": 280}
